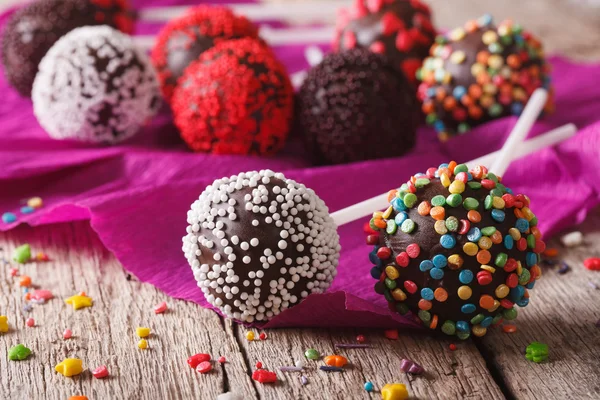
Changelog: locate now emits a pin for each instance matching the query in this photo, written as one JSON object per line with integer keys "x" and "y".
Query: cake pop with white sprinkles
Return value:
{"x": 94, "y": 85}
{"x": 259, "y": 243}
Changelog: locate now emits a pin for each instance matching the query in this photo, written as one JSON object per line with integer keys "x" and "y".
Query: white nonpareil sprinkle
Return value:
{"x": 229, "y": 396}
{"x": 237, "y": 268}
{"x": 572, "y": 239}
{"x": 94, "y": 85}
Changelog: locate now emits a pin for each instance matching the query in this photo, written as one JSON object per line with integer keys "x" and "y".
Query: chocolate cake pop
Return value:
{"x": 355, "y": 106}
{"x": 236, "y": 99}
{"x": 457, "y": 248}
{"x": 480, "y": 72}
{"x": 182, "y": 40}
{"x": 259, "y": 243}
{"x": 93, "y": 85}
{"x": 32, "y": 30}
{"x": 400, "y": 29}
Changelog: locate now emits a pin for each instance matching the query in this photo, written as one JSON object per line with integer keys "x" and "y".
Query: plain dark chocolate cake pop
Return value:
{"x": 32, "y": 30}
{"x": 182, "y": 40}
{"x": 400, "y": 29}
{"x": 355, "y": 106}
{"x": 457, "y": 248}
{"x": 259, "y": 243}
{"x": 480, "y": 72}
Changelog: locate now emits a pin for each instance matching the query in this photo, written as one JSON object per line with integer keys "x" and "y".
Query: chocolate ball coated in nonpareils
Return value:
{"x": 260, "y": 243}
{"x": 95, "y": 86}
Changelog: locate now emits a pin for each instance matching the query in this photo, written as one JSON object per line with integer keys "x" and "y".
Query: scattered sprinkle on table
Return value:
{"x": 452, "y": 347}
{"x": 78, "y": 398}
{"x": 360, "y": 339}
{"x": 509, "y": 328}
{"x": 204, "y": 367}
{"x": 592, "y": 263}
{"x": 25, "y": 281}
{"x": 18, "y": 353}
{"x": 67, "y": 334}
{"x": 100, "y": 372}
{"x": 336, "y": 360}
{"x": 312, "y": 354}
{"x": 3, "y": 324}
{"x": 290, "y": 369}
{"x": 262, "y": 336}
{"x": 13, "y": 272}
{"x": 69, "y": 367}
{"x": 550, "y": 252}
{"x": 572, "y": 239}
{"x": 249, "y": 336}
{"x": 9, "y": 218}
{"x": 222, "y": 360}
{"x": 160, "y": 308}
{"x": 142, "y": 332}
{"x": 258, "y": 365}
{"x": 369, "y": 386}
{"x": 411, "y": 367}
{"x": 79, "y": 301}
{"x": 22, "y": 254}
{"x": 537, "y": 352}
{"x": 352, "y": 346}
{"x": 593, "y": 285}
{"x": 30, "y": 322}
{"x": 196, "y": 359}
{"x": 143, "y": 344}
{"x": 44, "y": 295}
{"x": 394, "y": 391}
{"x": 264, "y": 376}
{"x": 42, "y": 257}
{"x": 299, "y": 364}
{"x": 304, "y": 380}
{"x": 391, "y": 334}
{"x": 27, "y": 210}
{"x": 35, "y": 202}
{"x": 328, "y": 368}
{"x": 564, "y": 268}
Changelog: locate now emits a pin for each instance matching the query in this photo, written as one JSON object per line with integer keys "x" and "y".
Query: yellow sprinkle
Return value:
{"x": 514, "y": 233}
{"x": 519, "y": 268}
{"x": 458, "y": 57}
{"x": 455, "y": 261}
{"x": 249, "y": 336}
{"x": 490, "y": 88}
{"x": 502, "y": 291}
{"x": 143, "y": 344}
{"x": 457, "y": 187}
{"x": 464, "y": 292}
{"x": 457, "y": 34}
{"x": 377, "y": 214}
{"x": 445, "y": 180}
{"x": 394, "y": 391}
{"x": 142, "y": 332}
{"x": 398, "y": 294}
{"x": 69, "y": 367}
{"x": 527, "y": 213}
{"x": 495, "y": 306}
{"x": 79, "y": 301}
{"x": 388, "y": 212}
{"x": 392, "y": 272}
{"x": 470, "y": 249}
{"x": 488, "y": 268}
{"x": 35, "y": 202}
{"x": 476, "y": 69}
{"x": 485, "y": 243}
{"x": 3, "y": 324}
{"x": 489, "y": 37}
{"x": 479, "y": 330}
{"x": 498, "y": 202}
{"x": 495, "y": 61}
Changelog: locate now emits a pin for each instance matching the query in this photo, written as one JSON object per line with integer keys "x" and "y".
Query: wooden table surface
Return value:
{"x": 563, "y": 311}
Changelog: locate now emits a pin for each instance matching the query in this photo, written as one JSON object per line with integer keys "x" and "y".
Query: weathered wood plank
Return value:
{"x": 105, "y": 333}
{"x": 562, "y": 313}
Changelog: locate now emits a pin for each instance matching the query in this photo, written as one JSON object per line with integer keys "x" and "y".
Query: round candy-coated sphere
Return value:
{"x": 259, "y": 243}
{"x": 236, "y": 99}
{"x": 400, "y": 29}
{"x": 480, "y": 72}
{"x": 94, "y": 85}
{"x": 465, "y": 282}
{"x": 33, "y": 29}
{"x": 354, "y": 106}
{"x": 183, "y": 39}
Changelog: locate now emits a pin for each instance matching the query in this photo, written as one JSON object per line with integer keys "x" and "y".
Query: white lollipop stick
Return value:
{"x": 322, "y": 11}
{"x": 380, "y": 202}
{"x": 532, "y": 110}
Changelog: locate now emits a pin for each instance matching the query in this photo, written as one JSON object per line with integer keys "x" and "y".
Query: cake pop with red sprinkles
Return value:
{"x": 32, "y": 30}
{"x": 355, "y": 106}
{"x": 457, "y": 248}
{"x": 236, "y": 99}
{"x": 182, "y": 40}
{"x": 400, "y": 29}
{"x": 479, "y": 72}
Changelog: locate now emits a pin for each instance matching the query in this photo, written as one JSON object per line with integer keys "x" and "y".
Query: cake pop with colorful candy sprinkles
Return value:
{"x": 95, "y": 86}
{"x": 480, "y": 72}
{"x": 457, "y": 248}
{"x": 236, "y": 99}
{"x": 355, "y": 106}
{"x": 182, "y": 40}
{"x": 32, "y": 30}
{"x": 259, "y": 243}
{"x": 400, "y": 29}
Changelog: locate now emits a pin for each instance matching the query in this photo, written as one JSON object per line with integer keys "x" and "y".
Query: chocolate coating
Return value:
{"x": 480, "y": 72}
{"x": 355, "y": 106}
{"x": 32, "y": 30}
{"x": 259, "y": 243}
{"x": 182, "y": 40}
{"x": 400, "y": 29}
{"x": 429, "y": 242}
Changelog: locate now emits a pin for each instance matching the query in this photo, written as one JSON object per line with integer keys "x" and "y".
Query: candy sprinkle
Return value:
{"x": 592, "y": 263}
{"x": 391, "y": 334}
{"x": 360, "y": 339}
{"x": 304, "y": 380}
{"x": 22, "y": 254}
{"x": 79, "y": 301}
{"x": 452, "y": 347}
{"x": 9, "y": 218}
{"x": 264, "y": 376}
{"x": 30, "y": 322}
{"x": 70, "y": 367}
{"x": 222, "y": 360}
{"x": 18, "y": 353}
{"x": 3, "y": 324}
{"x": 564, "y": 268}
{"x": 249, "y": 336}
{"x": 160, "y": 308}
{"x": 196, "y": 359}
{"x": 312, "y": 354}
{"x": 328, "y": 368}
{"x": 537, "y": 352}
{"x": 509, "y": 328}
{"x": 100, "y": 372}
{"x": 204, "y": 367}
{"x": 291, "y": 369}
{"x": 369, "y": 386}
{"x": 572, "y": 239}
{"x": 143, "y": 344}
{"x": 67, "y": 334}
{"x": 142, "y": 332}
{"x": 258, "y": 365}
{"x": 394, "y": 391}
{"x": 352, "y": 346}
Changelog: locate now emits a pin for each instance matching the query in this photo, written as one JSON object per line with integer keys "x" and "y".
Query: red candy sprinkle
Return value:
{"x": 511, "y": 265}
{"x": 522, "y": 244}
{"x": 264, "y": 376}
{"x": 262, "y": 336}
{"x": 540, "y": 246}
{"x": 160, "y": 308}
{"x": 196, "y": 359}
{"x": 413, "y": 250}
{"x": 403, "y": 259}
{"x": 204, "y": 367}
{"x": 221, "y": 360}
{"x": 509, "y": 200}
{"x": 484, "y": 278}
{"x": 14, "y": 272}
{"x": 464, "y": 227}
{"x": 391, "y": 334}
{"x": 372, "y": 239}
{"x": 592, "y": 263}
{"x": 100, "y": 372}
{"x": 360, "y": 339}
{"x": 383, "y": 253}
{"x": 368, "y": 230}
{"x": 452, "y": 347}
{"x": 462, "y": 176}
{"x": 505, "y": 303}
{"x": 258, "y": 365}
{"x": 410, "y": 287}
{"x": 488, "y": 184}
{"x": 512, "y": 281}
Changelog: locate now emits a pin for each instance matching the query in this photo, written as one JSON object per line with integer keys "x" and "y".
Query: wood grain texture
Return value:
{"x": 562, "y": 313}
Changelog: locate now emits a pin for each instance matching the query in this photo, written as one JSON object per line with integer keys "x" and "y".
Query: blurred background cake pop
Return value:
{"x": 236, "y": 99}
{"x": 32, "y": 30}
{"x": 260, "y": 243}
{"x": 356, "y": 106}
{"x": 94, "y": 85}
{"x": 400, "y": 29}
{"x": 183, "y": 39}
{"x": 479, "y": 72}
